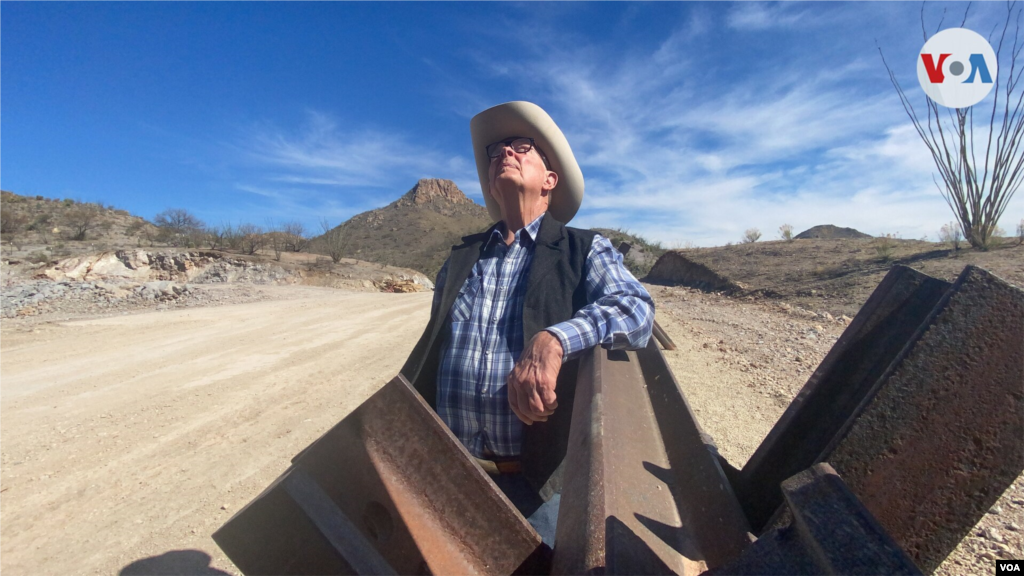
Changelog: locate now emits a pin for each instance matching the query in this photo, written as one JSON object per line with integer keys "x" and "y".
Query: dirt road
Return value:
{"x": 129, "y": 437}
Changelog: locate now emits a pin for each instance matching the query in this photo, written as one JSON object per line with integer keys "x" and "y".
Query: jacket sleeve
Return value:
{"x": 619, "y": 314}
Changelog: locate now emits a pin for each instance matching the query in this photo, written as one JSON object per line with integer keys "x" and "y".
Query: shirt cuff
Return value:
{"x": 575, "y": 335}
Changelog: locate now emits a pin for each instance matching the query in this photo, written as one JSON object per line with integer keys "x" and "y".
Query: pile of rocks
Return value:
{"x": 43, "y": 296}
{"x": 238, "y": 270}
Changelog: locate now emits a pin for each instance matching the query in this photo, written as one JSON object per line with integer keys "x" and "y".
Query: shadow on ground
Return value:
{"x": 175, "y": 562}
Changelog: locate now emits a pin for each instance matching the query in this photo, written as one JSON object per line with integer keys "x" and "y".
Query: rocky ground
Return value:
{"x": 107, "y": 461}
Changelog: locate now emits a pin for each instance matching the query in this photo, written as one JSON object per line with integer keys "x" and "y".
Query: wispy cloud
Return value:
{"x": 763, "y": 15}
{"x": 322, "y": 169}
{"x": 680, "y": 155}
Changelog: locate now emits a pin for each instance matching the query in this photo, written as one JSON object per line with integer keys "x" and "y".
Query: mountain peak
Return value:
{"x": 434, "y": 190}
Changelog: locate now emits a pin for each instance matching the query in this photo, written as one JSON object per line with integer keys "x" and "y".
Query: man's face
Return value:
{"x": 519, "y": 173}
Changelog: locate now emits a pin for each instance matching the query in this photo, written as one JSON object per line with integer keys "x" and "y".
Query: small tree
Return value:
{"x": 951, "y": 234}
{"x": 751, "y": 235}
{"x": 251, "y": 238}
{"x": 179, "y": 226}
{"x": 977, "y": 193}
{"x": 80, "y": 219}
{"x": 786, "y": 232}
{"x": 334, "y": 240}
{"x": 295, "y": 236}
{"x": 1020, "y": 232}
{"x": 11, "y": 221}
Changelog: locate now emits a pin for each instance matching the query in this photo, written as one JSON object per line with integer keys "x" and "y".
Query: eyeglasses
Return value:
{"x": 519, "y": 144}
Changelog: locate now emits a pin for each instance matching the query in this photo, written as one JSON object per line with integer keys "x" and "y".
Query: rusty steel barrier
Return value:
{"x": 829, "y": 532}
{"x": 919, "y": 406}
{"x": 642, "y": 493}
{"x": 860, "y": 356}
{"x": 387, "y": 490}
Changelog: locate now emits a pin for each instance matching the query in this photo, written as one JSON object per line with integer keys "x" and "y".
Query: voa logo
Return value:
{"x": 1009, "y": 567}
{"x": 957, "y": 68}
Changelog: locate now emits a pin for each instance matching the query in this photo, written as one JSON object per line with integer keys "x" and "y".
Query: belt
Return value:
{"x": 496, "y": 468}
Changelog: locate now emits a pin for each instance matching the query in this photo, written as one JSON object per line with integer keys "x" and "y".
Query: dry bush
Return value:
{"x": 12, "y": 222}
{"x": 951, "y": 234}
{"x": 786, "y": 232}
{"x": 81, "y": 219}
{"x": 885, "y": 245}
{"x": 1020, "y": 232}
{"x": 179, "y": 227}
{"x": 334, "y": 240}
{"x": 251, "y": 238}
{"x": 295, "y": 236}
{"x": 751, "y": 235}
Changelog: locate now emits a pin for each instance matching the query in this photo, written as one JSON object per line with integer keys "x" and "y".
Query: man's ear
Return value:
{"x": 550, "y": 181}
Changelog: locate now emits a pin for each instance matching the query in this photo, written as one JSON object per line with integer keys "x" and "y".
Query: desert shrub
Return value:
{"x": 134, "y": 227}
{"x": 251, "y": 238}
{"x": 179, "y": 227}
{"x": 885, "y": 245}
{"x": 68, "y": 202}
{"x": 786, "y": 232}
{"x": 39, "y": 197}
{"x": 230, "y": 237}
{"x": 951, "y": 234}
{"x": 333, "y": 240}
{"x": 12, "y": 222}
{"x": 38, "y": 257}
{"x": 296, "y": 239}
{"x": 751, "y": 235}
{"x": 81, "y": 219}
{"x": 41, "y": 223}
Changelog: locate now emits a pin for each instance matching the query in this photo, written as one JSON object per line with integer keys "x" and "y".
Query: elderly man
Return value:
{"x": 516, "y": 305}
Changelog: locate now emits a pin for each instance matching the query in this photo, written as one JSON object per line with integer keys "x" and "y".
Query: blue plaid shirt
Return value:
{"x": 486, "y": 337}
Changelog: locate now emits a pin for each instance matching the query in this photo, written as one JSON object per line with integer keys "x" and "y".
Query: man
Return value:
{"x": 515, "y": 306}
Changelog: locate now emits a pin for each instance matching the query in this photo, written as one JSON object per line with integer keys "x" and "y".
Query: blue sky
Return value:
{"x": 691, "y": 121}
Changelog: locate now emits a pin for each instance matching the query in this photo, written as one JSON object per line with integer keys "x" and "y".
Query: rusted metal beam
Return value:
{"x": 942, "y": 437}
{"x": 662, "y": 337}
{"x": 837, "y": 388}
{"x": 829, "y": 532}
{"x": 388, "y": 489}
{"x": 642, "y": 493}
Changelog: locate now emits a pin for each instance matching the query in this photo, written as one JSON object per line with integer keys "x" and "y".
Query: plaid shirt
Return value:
{"x": 486, "y": 337}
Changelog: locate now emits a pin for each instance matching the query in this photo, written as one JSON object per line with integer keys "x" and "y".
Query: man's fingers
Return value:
{"x": 535, "y": 405}
{"x": 548, "y": 398}
{"x": 513, "y": 402}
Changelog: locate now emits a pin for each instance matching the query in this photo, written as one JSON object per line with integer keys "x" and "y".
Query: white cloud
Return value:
{"x": 763, "y": 16}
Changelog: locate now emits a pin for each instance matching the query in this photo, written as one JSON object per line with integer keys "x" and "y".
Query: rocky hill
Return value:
{"x": 55, "y": 223}
{"x": 642, "y": 253}
{"x": 828, "y": 231}
{"x": 417, "y": 230}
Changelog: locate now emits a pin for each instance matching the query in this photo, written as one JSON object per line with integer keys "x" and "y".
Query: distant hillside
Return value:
{"x": 37, "y": 220}
{"x": 836, "y": 275}
{"x": 828, "y": 231}
{"x": 416, "y": 231}
{"x": 642, "y": 253}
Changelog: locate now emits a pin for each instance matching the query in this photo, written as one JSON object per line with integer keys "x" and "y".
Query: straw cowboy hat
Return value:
{"x": 527, "y": 119}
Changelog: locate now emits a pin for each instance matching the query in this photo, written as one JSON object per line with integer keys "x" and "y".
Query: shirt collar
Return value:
{"x": 498, "y": 234}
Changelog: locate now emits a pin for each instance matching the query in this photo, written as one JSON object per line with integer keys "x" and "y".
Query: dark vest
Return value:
{"x": 555, "y": 291}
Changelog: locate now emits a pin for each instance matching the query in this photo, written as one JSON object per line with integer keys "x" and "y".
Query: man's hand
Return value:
{"x": 531, "y": 385}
